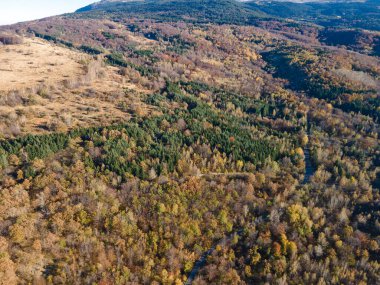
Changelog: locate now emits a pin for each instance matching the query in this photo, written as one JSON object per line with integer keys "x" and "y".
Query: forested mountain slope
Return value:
{"x": 136, "y": 136}
{"x": 349, "y": 14}
{"x": 217, "y": 11}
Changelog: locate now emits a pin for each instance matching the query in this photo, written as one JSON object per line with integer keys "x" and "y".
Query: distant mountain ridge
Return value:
{"x": 258, "y": 1}
{"x": 307, "y": 1}
{"x": 216, "y": 11}
{"x": 336, "y": 13}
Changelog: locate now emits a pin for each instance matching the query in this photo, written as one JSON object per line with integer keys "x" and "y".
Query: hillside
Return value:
{"x": 202, "y": 11}
{"x": 348, "y": 14}
{"x": 354, "y": 24}
{"x": 190, "y": 142}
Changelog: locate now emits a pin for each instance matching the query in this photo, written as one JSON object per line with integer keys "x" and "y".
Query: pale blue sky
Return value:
{"x": 13, "y": 11}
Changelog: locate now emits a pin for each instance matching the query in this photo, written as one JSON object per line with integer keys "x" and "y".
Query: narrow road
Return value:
{"x": 198, "y": 265}
{"x": 309, "y": 168}
{"x": 201, "y": 262}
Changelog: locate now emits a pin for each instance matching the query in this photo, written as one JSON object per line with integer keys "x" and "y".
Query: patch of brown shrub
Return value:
{"x": 10, "y": 39}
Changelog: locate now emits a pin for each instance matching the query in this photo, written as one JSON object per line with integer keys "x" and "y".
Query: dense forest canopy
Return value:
{"x": 191, "y": 142}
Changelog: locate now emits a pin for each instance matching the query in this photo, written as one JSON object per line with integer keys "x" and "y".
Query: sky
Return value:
{"x": 13, "y": 11}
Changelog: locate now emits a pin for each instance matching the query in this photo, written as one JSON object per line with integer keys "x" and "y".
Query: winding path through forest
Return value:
{"x": 309, "y": 168}
{"x": 201, "y": 262}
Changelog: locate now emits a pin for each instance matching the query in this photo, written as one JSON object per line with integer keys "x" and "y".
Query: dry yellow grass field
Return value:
{"x": 36, "y": 61}
{"x": 46, "y": 87}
